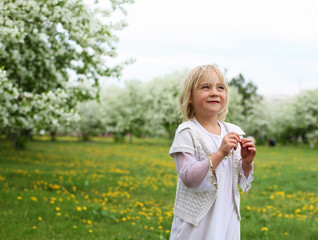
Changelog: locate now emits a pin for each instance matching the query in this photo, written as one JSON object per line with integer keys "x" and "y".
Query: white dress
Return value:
{"x": 222, "y": 221}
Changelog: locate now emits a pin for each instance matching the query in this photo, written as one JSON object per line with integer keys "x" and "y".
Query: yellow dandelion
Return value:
{"x": 19, "y": 198}
{"x": 264, "y": 229}
{"x": 78, "y": 208}
{"x": 160, "y": 227}
{"x": 58, "y": 214}
{"x": 133, "y": 223}
{"x": 124, "y": 219}
{"x": 167, "y": 231}
{"x": 57, "y": 209}
{"x": 84, "y": 208}
{"x": 272, "y": 197}
{"x": 34, "y": 227}
{"x": 90, "y": 230}
{"x": 151, "y": 228}
{"x": 248, "y": 208}
{"x": 40, "y": 219}
{"x": 74, "y": 226}
{"x": 34, "y": 199}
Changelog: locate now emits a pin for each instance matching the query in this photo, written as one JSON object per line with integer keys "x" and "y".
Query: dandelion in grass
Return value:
{"x": 264, "y": 229}
{"x": 34, "y": 199}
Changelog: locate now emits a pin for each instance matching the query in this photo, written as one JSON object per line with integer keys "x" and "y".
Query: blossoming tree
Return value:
{"x": 55, "y": 50}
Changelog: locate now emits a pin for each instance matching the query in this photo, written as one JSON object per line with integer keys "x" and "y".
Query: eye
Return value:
{"x": 221, "y": 87}
{"x": 205, "y": 87}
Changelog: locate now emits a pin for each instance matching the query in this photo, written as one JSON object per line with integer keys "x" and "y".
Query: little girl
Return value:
{"x": 211, "y": 158}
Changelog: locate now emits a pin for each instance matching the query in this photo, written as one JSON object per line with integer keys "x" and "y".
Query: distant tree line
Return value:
{"x": 151, "y": 109}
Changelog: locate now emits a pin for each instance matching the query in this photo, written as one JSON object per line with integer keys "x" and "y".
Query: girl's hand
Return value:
{"x": 248, "y": 150}
{"x": 229, "y": 141}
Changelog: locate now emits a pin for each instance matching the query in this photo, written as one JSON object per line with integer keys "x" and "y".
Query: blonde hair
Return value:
{"x": 191, "y": 82}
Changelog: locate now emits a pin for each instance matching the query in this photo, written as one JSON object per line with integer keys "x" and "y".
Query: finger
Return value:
{"x": 234, "y": 135}
{"x": 234, "y": 145}
{"x": 252, "y": 149}
{"x": 245, "y": 140}
{"x": 233, "y": 142}
{"x": 248, "y": 144}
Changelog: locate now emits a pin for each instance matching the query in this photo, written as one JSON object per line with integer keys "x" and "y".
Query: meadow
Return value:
{"x": 104, "y": 190}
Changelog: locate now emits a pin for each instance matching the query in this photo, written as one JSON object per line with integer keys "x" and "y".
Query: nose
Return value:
{"x": 214, "y": 92}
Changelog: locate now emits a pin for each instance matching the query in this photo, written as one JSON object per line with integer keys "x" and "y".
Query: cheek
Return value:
{"x": 225, "y": 96}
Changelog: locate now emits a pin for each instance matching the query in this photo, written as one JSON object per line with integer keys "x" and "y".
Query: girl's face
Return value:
{"x": 209, "y": 98}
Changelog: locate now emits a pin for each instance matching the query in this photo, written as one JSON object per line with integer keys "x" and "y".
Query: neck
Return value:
{"x": 210, "y": 124}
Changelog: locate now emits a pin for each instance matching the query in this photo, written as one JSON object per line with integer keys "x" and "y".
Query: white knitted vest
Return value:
{"x": 192, "y": 206}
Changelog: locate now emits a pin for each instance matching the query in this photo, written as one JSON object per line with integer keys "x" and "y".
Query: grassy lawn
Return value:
{"x": 103, "y": 190}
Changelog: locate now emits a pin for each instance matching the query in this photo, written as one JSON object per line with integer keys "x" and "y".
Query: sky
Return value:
{"x": 272, "y": 43}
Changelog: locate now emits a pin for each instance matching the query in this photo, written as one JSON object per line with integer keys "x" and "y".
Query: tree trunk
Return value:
{"x": 53, "y": 135}
{"x": 85, "y": 137}
{"x": 17, "y": 140}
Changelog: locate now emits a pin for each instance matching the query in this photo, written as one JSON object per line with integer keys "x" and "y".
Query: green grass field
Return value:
{"x": 102, "y": 190}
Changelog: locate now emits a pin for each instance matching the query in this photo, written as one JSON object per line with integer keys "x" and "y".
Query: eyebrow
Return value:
{"x": 208, "y": 83}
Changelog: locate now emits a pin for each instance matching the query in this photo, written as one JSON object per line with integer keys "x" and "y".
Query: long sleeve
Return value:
{"x": 193, "y": 173}
{"x": 245, "y": 183}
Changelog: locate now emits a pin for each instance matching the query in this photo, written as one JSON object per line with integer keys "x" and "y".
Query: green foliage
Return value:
{"x": 297, "y": 117}
{"x": 235, "y": 113}
{"x": 247, "y": 89}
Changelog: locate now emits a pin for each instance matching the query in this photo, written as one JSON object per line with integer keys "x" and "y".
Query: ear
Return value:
{"x": 190, "y": 99}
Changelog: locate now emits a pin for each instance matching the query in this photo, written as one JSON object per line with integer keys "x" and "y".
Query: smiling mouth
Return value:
{"x": 214, "y": 101}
